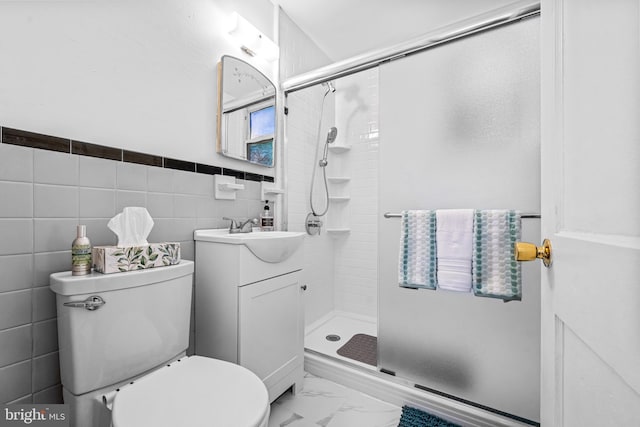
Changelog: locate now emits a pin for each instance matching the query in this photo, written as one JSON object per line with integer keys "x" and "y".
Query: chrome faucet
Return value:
{"x": 241, "y": 227}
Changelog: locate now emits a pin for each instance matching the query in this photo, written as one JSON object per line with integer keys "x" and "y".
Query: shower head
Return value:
{"x": 331, "y": 136}
{"x": 330, "y": 87}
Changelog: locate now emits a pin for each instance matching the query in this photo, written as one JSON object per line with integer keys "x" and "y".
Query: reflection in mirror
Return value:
{"x": 246, "y": 112}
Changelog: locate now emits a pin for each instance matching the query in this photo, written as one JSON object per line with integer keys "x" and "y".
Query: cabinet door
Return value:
{"x": 270, "y": 330}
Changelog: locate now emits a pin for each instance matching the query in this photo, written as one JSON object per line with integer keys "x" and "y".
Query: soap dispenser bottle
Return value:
{"x": 81, "y": 253}
{"x": 266, "y": 219}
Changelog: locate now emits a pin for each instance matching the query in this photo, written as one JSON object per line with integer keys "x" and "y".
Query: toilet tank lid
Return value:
{"x": 64, "y": 283}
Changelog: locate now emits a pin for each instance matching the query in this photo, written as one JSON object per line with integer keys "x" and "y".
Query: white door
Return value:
{"x": 591, "y": 212}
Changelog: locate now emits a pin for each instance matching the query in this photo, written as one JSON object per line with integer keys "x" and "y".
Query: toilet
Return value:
{"x": 123, "y": 339}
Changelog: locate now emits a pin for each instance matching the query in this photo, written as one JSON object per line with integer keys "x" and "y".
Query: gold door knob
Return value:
{"x": 529, "y": 252}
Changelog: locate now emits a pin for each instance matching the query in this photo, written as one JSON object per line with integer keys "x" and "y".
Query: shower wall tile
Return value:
{"x": 17, "y": 272}
{"x": 50, "y": 167}
{"x": 55, "y": 201}
{"x": 20, "y": 195}
{"x": 356, "y": 257}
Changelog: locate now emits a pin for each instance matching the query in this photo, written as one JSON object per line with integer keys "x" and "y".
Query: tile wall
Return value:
{"x": 299, "y": 54}
{"x": 342, "y": 268}
{"x": 356, "y": 253}
{"x": 44, "y": 194}
{"x": 302, "y": 128}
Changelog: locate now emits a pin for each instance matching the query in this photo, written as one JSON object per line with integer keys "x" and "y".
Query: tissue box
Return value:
{"x": 112, "y": 259}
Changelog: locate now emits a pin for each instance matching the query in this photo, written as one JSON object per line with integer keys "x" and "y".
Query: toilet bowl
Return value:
{"x": 123, "y": 339}
{"x": 193, "y": 391}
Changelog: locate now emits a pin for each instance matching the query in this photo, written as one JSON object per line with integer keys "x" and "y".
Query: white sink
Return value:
{"x": 269, "y": 246}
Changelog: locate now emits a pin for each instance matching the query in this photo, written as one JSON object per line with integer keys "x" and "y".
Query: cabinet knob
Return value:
{"x": 303, "y": 287}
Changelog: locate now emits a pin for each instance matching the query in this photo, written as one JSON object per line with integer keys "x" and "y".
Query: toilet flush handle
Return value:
{"x": 92, "y": 303}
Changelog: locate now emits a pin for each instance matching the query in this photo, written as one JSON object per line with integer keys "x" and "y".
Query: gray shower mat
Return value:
{"x": 361, "y": 347}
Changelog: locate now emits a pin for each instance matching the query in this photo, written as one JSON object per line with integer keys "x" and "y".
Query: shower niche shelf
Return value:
{"x": 338, "y": 149}
{"x": 338, "y": 231}
{"x": 339, "y": 179}
{"x": 339, "y": 199}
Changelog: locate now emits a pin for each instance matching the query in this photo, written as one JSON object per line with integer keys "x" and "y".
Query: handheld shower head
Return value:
{"x": 331, "y": 136}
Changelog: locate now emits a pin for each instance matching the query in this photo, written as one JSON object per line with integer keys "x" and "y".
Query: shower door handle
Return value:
{"x": 529, "y": 252}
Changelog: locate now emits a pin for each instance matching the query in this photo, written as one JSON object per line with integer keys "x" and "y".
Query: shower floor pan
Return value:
{"x": 331, "y": 332}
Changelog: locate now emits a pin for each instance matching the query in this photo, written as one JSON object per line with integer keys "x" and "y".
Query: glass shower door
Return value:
{"x": 460, "y": 128}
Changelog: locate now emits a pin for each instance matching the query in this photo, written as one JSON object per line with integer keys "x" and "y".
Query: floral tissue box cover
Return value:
{"x": 112, "y": 259}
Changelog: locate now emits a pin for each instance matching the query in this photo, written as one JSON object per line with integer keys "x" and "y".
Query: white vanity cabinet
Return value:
{"x": 249, "y": 311}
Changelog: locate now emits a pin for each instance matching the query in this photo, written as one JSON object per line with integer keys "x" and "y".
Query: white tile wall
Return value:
{"x": 356, "y": 256}
{"x": 302, "y": 125}
{"x": 341, "y": 272}
{"x": 44, "y": 196}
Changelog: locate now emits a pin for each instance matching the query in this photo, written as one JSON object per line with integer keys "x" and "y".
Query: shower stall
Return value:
{"x": 454, "y": 125}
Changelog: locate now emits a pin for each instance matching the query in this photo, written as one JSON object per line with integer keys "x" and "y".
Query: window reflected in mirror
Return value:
{"x": 246, "y": 113}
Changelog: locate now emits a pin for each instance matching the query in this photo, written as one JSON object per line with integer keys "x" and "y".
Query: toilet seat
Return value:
{"x": 193, "y": 391}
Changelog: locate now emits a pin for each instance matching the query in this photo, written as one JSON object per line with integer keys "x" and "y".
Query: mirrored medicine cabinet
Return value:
{"x": 246, "y": 118}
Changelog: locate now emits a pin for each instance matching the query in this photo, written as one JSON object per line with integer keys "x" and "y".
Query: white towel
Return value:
{"x": 454, "y": 239}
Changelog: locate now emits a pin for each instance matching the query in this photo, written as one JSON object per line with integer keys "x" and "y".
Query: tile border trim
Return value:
{"x": 52, "y": 143}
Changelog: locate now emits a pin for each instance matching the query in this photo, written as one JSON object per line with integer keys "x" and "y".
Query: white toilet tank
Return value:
{"x": 143, "y": 323}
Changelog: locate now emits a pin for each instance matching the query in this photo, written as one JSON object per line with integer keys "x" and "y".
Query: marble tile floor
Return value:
{"x": 327, "y": 404}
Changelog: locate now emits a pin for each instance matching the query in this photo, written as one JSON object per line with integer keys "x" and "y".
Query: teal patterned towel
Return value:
{"x": 417, "y": 263}
{"x": 496, "y": 273}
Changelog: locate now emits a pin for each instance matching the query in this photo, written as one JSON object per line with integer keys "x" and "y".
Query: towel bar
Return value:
{"x": 397, "y": 215}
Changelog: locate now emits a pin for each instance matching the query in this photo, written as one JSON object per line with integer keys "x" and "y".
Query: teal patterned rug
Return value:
{"x": 412, "y": 417}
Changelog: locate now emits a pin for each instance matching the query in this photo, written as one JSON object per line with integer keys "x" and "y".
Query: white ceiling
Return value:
{"x": 345, "y": 28}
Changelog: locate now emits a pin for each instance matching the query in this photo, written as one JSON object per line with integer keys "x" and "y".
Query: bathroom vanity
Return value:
{"x": 248, "y": 303}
